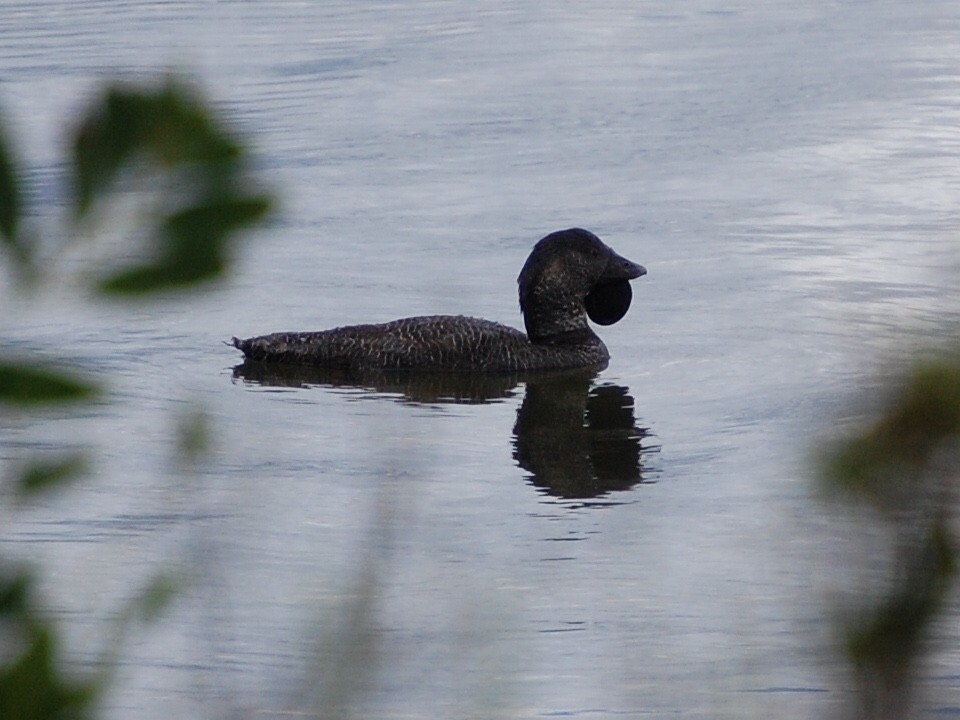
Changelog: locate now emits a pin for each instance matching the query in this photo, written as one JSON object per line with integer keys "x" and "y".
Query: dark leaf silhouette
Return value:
{"x": 192, "y": 245}
{"x": 168, "y": 126}
{"x": 41, "y": 475}
{"x": 28, "y": 384}
{"x": 11, "y": 203}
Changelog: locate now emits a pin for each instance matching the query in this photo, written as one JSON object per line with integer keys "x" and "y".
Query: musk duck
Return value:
{"x": 569, "y": 276}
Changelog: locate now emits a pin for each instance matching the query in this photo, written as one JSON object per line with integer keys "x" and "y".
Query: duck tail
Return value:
{"x": 241, "y": 345}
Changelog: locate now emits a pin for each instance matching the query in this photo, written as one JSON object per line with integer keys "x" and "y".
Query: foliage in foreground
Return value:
{"x": 167, "y": 136}
{"x": 904, "y": 468}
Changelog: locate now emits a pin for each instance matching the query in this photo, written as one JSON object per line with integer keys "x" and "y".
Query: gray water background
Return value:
{"x": 788, "y": 174}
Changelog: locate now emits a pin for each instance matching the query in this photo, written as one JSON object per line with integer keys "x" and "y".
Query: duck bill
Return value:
{"x": 610, "y": 298}
{"x": 619, "y": 268}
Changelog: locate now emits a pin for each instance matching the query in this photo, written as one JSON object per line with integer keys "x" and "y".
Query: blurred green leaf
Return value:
{"x": 14, "y": 593}
{"x": 10, "y": 197}
{"x": 199, "y": 230}
{"x": 886, "y": 641}
{"x": 41, "y": 475}
{"x": 32, "y": 687}
{"x": 107, "y": 136}
{"x": 154, "y": 277}
{"x": 170, "y": 126}
{"x": 927, "y": 412}
{"x": 878, "y": 462}
{"x": 183, "y": 131}
{"x": 11, "y": 210}
{"x": 192, "y": 247}
{"x": 193, "y": 436}
{"x": 157, "y": 596}
{"x": 28, "y": 384}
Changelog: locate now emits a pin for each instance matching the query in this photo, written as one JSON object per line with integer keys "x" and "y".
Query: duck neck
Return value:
{"x": 560, "y": 322}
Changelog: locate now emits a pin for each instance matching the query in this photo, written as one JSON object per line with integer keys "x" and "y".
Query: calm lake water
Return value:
{"x": 787, "y": 172}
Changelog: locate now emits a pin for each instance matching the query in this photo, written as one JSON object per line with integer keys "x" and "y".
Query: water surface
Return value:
{"x": 787, "y": 175}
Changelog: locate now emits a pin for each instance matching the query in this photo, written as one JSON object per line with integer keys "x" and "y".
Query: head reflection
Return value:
{"x": 577, "y": 441}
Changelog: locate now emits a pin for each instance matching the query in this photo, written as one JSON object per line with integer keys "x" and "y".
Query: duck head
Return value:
{"x": 569, "y": 276}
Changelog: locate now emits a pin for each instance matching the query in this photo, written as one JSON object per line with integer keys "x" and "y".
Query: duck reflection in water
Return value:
{"x": 576, "y": 440}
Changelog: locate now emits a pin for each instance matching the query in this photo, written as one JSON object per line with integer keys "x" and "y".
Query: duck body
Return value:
{"x": 569, "y": 276}
{"x": 454, "y": 343}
